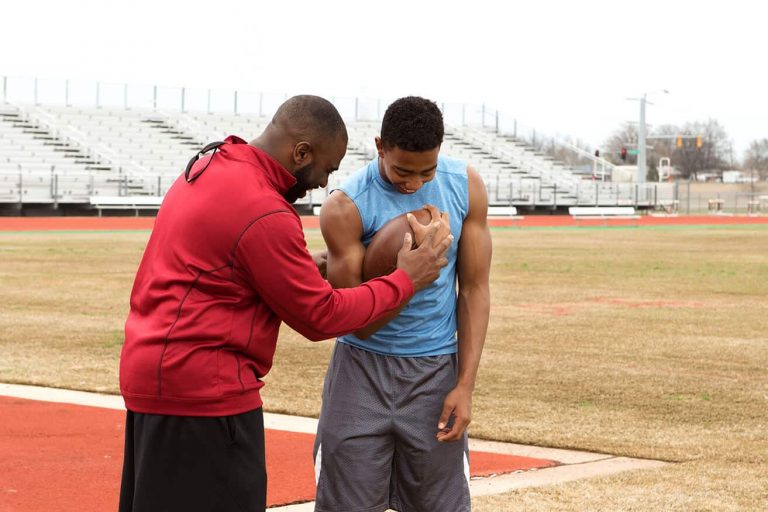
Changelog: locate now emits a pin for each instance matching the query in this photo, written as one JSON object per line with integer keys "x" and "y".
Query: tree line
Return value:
{"x": 694, "y": 148}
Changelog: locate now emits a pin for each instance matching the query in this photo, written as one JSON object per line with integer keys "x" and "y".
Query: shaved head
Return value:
{"x": 308, "y": 138}
{"x": 310, "y": 118}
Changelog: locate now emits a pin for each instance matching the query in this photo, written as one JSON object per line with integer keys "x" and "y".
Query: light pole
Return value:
{"x": 642, "y": 166}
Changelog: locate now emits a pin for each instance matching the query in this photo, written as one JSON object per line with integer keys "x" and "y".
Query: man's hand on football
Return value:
{"x": 420, "y": 231}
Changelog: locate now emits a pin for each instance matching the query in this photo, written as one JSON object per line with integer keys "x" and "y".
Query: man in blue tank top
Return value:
{"x": 398, "y": 395}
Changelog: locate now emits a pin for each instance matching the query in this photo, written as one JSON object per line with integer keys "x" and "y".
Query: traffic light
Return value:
{"x": 597, "y": 153}
{"x": 698, "y": 142}
{"x": 679, "y": 142}
{"x": 623, "y": 154}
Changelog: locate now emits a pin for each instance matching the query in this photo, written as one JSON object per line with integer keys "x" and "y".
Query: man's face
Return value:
{"x": 326, "y": 158}
{"x": 407, "y": 171}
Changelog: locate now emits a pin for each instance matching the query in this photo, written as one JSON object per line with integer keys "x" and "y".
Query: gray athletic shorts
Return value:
{"x": 376, "y": 448}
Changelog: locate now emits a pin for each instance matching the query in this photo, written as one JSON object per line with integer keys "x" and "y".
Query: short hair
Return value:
{"x": 310, "y": 116}
{"x": 412, "y": 124}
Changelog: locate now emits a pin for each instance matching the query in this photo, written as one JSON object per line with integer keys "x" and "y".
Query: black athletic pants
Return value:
{"x": 194, "y": 464}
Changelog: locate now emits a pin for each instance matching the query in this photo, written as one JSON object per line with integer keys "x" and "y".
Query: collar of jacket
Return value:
{"x": 278, "y": 175}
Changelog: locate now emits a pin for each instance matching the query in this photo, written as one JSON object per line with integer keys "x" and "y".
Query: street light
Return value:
{"x": 642, "y": 166}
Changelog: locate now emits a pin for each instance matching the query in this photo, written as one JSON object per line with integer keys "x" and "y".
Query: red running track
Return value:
{"x": 68, "y": 458}
{"x": 145, "y": 223}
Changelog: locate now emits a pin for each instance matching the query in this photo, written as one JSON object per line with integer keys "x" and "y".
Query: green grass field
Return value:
{"x": 640, "y": 342}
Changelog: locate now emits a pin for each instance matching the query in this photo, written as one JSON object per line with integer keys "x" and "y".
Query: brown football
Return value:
{"x": 381, "y": 255}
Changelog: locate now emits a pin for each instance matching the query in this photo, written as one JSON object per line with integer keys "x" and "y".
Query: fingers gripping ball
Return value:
{"x": 381, "y": 255}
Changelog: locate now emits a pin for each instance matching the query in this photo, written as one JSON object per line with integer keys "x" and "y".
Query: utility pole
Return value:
{"x": 642, "y": 165}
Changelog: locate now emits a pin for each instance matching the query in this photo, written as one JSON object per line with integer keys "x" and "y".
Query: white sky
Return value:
{"x": 563, "y": 67}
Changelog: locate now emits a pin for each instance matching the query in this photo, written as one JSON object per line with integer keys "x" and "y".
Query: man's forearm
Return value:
{"x": 474, "y": 306}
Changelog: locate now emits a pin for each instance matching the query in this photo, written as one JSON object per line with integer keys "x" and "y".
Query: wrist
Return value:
{"x": 466, "y": 384}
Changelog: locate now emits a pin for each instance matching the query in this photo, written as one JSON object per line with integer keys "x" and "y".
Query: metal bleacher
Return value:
{"x": 63, "y": 155}
{"x": 516, "y": 174}
{"x": 34, "y": 159}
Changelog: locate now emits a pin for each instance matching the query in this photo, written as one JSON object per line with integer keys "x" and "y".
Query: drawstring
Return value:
{"x": 212, "y": 146}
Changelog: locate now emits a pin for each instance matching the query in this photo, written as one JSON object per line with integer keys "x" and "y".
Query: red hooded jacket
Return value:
{"x": 225, "y": 264}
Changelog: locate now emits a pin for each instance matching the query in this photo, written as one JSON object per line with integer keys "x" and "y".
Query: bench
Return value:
{"x": 125, "y": 203}
{"x": 715, "y": 206}
{"x": 670, "y": 207}
{"x": 603, "y": 212}
{"x": 502, "y": 211}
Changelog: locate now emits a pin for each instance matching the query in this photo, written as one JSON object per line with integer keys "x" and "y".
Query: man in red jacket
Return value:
{"x": 225, "y": 264}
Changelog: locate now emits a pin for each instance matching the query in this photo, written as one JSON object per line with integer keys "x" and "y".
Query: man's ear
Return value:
{"x": 379, "y": 147}
{"x": 302, "y": 154}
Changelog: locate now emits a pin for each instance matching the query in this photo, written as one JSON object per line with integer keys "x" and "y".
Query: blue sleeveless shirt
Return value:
{"x": 427, "y": 325}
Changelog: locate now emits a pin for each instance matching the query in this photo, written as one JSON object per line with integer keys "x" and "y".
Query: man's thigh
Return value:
{"x": 194, "y": 464}
{"x": 428, "y": 475}
{"x": 354, "y": 443}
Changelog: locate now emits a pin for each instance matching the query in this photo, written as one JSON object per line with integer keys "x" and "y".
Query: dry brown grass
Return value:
{"x": 640, "y": 342}
{"x": 63, "y": 305}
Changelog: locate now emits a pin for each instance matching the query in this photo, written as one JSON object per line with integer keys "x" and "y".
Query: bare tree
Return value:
{"x": 557, "y": 151}
{"x": 705, "y": 147}
{"x": 568, "y": 156}
{"x": 756, "y": 158}
{"x": 712, "y": 151}
{"x": 625, "y": 137}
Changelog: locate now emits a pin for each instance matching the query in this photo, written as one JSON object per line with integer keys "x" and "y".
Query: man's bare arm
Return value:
{"x": 342, "y": 230}
{"x": 473, "y": 309}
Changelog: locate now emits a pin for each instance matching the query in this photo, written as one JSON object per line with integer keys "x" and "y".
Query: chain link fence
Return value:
{"x": 723, "y": 198}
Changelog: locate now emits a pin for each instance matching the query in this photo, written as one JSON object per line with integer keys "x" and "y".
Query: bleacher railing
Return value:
{"x": 100, "y": 94}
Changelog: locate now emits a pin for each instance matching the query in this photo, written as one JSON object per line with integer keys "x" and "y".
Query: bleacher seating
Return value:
{"x": 56, "y": 154}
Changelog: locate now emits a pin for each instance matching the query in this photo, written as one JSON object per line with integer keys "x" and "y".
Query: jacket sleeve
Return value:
{"x": 272, "y": 257}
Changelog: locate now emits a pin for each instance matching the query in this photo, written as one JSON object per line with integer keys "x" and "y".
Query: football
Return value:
{"x": 381, "y": 255}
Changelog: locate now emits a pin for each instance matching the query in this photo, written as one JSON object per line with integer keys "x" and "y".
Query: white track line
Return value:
{"x": 66, "y": 396}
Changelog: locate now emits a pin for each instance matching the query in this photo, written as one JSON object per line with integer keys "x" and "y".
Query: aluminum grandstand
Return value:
{"x": 82, "y": 159}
